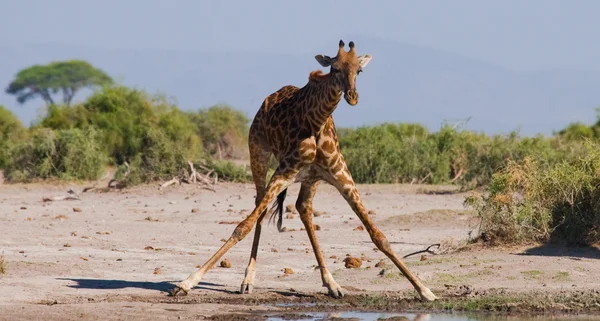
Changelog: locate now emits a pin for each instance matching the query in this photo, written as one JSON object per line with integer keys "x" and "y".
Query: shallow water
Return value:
{"x": 380, "y": 316}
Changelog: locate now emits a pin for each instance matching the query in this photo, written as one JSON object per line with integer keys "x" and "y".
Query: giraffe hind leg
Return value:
{"x": 304, "y": 207}
{"x": 343, "y": 182}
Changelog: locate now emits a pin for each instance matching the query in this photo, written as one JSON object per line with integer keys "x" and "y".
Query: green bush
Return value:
{"x": 64, "y": 154}
{"x": 229, "y": 171}
{"x": 408, "y": 153}
{"x": 224, "y": 131}
{"x": 531, "y": 201}
{"x": 163, "y": 158}
{"x": 11, "y": 132}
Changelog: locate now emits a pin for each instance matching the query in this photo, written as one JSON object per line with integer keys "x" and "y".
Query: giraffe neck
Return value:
{"x": 322, "y": 94}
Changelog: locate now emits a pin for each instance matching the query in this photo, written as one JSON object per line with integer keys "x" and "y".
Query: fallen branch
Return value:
{"x": 457, "y": 176}
{"x": 424, "y": 178}
{"x": 175, "y": 180}
{"x": 193, "y": 175}
{"x": 423, "y": 251}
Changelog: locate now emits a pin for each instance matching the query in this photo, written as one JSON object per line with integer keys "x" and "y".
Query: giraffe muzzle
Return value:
{"x": 351, "y": 97}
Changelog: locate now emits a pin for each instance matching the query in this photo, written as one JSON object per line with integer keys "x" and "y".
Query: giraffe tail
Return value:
{"x": 277, "y": 209}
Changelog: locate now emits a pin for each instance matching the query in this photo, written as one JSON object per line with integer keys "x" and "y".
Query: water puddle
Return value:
{"x": 387, "y": 316}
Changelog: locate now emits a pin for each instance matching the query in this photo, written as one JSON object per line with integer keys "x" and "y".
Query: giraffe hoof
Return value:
{"x": 179, "y": 289}
{"x": 428, "y": 296}
{"x": 336, "y": 293}
{"x": 247, "y": 288}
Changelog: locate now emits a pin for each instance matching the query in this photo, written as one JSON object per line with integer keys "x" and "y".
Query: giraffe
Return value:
{"x": 296, "y": 126}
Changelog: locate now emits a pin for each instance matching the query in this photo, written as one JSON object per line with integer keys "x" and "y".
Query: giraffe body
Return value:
{"x": 296, "y": 126}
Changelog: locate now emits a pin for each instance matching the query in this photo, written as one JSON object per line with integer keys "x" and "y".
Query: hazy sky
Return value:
{"x": 522, "y": 35}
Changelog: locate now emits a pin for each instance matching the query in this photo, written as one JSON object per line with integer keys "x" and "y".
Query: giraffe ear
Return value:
{"x": 325, "y": 61}
{"x": 363, "y": 60}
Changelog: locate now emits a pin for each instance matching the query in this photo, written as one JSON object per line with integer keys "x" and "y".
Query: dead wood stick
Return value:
{"x": 457, "y": 176}
{"x": 171, "y": 182}
{"x": 423, "y": 251}
{"x": 203, "y": 167}
{"x": 87, "y": 189}
{"x": 424, "y": 178}
{"x": 203, "y": 179}
{"x": 193, "y": 175}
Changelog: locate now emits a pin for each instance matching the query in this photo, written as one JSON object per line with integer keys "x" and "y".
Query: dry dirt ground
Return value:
{"x": 115, "y": 255}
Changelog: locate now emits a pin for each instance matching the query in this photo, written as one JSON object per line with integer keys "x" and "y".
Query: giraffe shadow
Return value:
{"x": 574, "y": 252}
{"x": 164, "y": 286}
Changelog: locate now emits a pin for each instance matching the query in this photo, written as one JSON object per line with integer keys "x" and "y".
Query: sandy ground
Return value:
{"x": 117, "y": 254}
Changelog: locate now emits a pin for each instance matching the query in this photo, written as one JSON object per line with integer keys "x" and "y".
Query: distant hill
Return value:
{"x": 403, "y": 83}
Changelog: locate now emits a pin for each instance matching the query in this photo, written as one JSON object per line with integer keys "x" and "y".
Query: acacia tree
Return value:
{"x": 66, "y": 77}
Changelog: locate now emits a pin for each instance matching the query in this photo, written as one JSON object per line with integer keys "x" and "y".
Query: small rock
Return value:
{"x": 21, "y": 251}
{"x": 225, "y": 264}
{"x": 274, "y": 250}
{"x": 359, "y": 228}
{"x": 119, "y": 260}
{"x": 290, "y": 208}
{"x": 148, "y": 248}
{"x": 287, "y": 271}
{"x": 23, "y": 207}
{"x": 380, "y": 264}
{"x": 77, "y": 209}
{"x": 195, "y": 210}
{"x": 333, "y": 257}
{"x": 352, "y": 262}
{"x": 283, "y": 229}
{"x": 67, "y": 245}
{"x": 289, "y": 216}
{"x": 157, "y": 271}
{"x": 423, "y": 258}
{"x": 317, "y": 213}
{"x": 317, "y": 227}
{"x": 382, "y": 272}
{"x": 372, "y": 212}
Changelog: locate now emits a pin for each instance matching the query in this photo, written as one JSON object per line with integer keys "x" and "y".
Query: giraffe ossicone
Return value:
{"x": 296, "y": 126}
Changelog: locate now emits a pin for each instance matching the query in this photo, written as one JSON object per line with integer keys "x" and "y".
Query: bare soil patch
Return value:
{"x": 101, "y": 261}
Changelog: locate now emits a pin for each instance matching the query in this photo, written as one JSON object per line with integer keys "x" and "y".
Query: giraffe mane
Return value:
{"x": 318, "y": 75}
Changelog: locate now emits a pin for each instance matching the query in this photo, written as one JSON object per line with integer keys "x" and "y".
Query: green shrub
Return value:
{"x": 408, "y": 153}
{"x": 229, "y": 171}
{"x": 224, "y": 131}
{"x": 11, "y": 132}
{"x": 65, "y": 154}
{"x": 163, "y": 158}
{"x": 531, "y": 201}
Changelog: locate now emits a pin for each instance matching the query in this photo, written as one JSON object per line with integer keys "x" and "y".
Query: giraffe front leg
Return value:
{"x": 259, "y": 160}
{"x": 280, "y": 180}
{"x": 248, "y": 283}
{"x": 304, "y": 207}
{"x": 339, "y": 176}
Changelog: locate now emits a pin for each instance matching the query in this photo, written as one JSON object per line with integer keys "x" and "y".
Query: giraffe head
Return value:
{"x": 345, "y": 66}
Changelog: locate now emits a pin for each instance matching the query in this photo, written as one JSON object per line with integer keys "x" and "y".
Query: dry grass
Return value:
{"x": 530, "y": 201}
